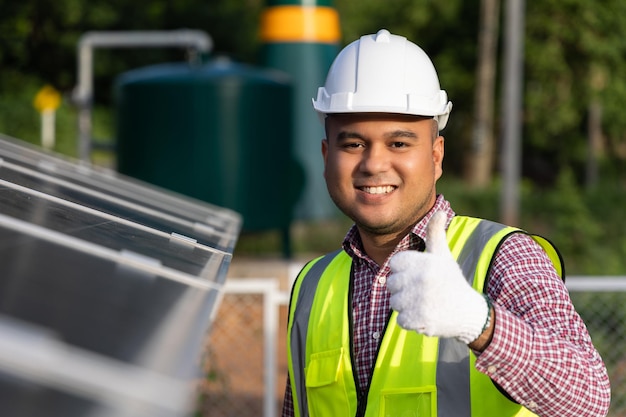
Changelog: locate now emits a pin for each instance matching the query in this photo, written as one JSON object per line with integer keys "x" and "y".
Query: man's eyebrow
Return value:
{"x": 346, "y": 134}
{"x": 401, "y": 134}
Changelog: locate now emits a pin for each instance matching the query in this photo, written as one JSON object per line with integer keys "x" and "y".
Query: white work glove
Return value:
{"x": 430, "y": 293}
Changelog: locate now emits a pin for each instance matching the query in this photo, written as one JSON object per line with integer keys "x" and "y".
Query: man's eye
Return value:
{"x": 353, "y": 145}
{"x": 398, "y": 144}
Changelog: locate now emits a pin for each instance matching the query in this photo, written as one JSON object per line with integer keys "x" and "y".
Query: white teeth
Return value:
{"x": 378, "y": 190}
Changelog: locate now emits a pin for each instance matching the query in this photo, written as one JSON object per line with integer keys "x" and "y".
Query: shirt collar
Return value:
{"x": 414, "y": 240}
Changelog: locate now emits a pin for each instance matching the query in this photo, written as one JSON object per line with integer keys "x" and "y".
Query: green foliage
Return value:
{"x": 563, "y": 215}
{"x": 586, "y": 226}
{"x": 574, "y": 55}
{"x": 20, "y": 119}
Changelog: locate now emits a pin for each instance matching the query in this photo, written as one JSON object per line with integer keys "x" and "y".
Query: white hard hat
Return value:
{"x": 383, "y": 73}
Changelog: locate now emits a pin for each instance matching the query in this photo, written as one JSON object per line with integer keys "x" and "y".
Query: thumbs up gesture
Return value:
{"x": 430, "y": 293}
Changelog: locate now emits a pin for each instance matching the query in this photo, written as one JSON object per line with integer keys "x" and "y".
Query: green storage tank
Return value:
{"x": 220, "y": 132}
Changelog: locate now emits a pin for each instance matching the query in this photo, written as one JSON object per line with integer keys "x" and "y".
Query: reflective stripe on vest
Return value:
{"x": 305, "y": 289}
{"x": 444, "y": 385}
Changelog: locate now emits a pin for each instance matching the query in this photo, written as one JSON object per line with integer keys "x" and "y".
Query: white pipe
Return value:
{"x": 598, "y": 283}
{"x": 83, "y": 92}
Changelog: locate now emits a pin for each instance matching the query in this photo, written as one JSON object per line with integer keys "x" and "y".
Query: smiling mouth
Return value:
{"x": 385, "y": 189}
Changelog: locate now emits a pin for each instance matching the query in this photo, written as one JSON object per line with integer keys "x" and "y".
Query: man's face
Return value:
{"x": 381, "y": 169}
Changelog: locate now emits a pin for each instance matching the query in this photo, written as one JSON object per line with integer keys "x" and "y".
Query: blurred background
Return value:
{"x": 536, "y": 137}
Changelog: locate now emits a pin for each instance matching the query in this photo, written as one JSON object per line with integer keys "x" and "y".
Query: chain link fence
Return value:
{"x": 233, "y": 384}
{"x": 241, "y": 377}
{"x": 604, "y": 314}
{"x": 236, "y": 366}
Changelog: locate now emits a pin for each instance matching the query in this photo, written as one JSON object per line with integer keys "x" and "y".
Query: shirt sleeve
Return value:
{"x": 541, "y": 353}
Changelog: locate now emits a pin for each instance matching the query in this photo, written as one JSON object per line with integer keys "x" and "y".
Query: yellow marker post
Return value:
{"x": 47, "y": 101}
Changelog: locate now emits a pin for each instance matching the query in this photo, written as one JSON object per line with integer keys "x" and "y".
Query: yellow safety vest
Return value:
{"x": 414, "y": 375}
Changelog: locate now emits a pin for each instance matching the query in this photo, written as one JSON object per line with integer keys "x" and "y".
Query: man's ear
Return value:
{"x": 438, "y": 153}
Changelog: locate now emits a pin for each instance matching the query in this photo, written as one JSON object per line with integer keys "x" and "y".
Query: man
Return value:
{"x": 422, "y": 312}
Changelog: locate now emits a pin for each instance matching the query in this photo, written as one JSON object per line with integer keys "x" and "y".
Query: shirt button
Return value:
{"x": 375, "y": 335}
{"x": 382, "y": 280}
{"x": 491, "y": 369}
{"x": 532, "y": 405}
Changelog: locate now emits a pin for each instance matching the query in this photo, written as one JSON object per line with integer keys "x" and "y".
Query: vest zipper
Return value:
{"x": 361, "y": 400}
{"x": 361, "y": 396}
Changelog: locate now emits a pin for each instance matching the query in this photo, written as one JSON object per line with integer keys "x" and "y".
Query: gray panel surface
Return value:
{"x": 107, "y": 289}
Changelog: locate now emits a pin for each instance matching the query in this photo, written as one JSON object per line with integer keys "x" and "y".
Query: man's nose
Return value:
{"x": 375, "y": 159}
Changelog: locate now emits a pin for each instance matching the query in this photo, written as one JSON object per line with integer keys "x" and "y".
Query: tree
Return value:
{"x": 574, "y": 67}
{"x": 480, "y": 155}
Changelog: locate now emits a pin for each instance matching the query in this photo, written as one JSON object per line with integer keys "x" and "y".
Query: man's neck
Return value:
{"x": 379, "y": 247}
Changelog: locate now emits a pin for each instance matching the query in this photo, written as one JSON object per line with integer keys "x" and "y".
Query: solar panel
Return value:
{"x": 108, "y": 287}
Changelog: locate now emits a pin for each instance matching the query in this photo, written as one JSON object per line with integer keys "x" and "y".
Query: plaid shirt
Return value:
{"x": 541, "y": 353}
